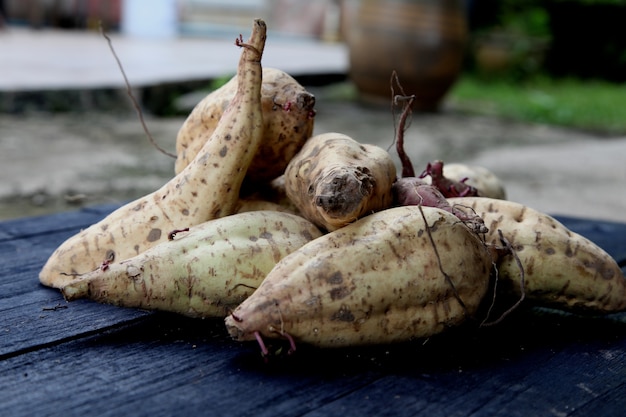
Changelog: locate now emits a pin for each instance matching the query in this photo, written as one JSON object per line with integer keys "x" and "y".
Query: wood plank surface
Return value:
{"x": 84, "y": 358}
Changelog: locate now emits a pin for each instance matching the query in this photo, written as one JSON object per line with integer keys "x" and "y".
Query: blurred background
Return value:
{"x": 584, "y": 38}
{"x": 562, "y": 50}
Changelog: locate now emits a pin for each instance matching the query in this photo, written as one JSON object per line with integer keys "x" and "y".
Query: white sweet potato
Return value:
{"x": 288, "y": 120}
{"x": 562, "y": 269}
{"x": 203, "y": 272}
{"x": 377, "y": 280}
{"x": 206, "y": 189}
{"x": 335, "y": 180}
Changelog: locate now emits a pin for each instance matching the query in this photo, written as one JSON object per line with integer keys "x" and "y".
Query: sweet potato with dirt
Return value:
{"x": 288, "y": 120}
{"x": 205, "y": 271}
{"x": 378, "y": 280}
{"x": 561, "y": 269}
{"x": 335, "y": 180}
{"x": 207, "y": 188}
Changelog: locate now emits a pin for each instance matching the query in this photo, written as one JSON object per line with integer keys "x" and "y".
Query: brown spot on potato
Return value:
{"x": 343, "y": 314}
{"x": 154, "y": 235}
{"x": 335, "y": 278}
{"x": 339, "y": 293}
{"x": 307, "y": 235}
{"x": 606, "y": 272}
{"x": 530, "y": 266}
{"x": 109, "y": 256}
{"x": 313, "y": 301}
{"x": 223, "y": 151}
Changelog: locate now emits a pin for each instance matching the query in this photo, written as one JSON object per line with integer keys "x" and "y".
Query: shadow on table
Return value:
{"x": 534, "y": 333}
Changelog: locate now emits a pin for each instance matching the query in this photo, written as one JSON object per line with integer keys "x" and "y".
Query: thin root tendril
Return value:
{"x": 259, "y": 339}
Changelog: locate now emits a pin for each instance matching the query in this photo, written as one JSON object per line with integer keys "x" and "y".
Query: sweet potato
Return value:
{"x": 206, "y": 189}
{"x": 334, "y": 180}
{"x": 377, "y": 280}
{"x": 465, "y": 180}
{"x": 562, "y": 269}
{"x": 203, "y": 272}
{"x": 288, "y": 119}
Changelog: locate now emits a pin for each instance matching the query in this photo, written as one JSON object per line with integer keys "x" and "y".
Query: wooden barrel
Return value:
{"x": 422, "y": 40}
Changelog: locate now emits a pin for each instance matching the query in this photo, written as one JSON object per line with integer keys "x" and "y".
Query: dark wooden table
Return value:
{"x": 84, "y": 358}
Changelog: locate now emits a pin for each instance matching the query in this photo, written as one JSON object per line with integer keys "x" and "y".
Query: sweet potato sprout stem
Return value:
{"x": 407, "y": 165}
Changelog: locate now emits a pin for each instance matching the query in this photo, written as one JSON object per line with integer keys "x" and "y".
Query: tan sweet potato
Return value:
{"x": 203, "y": 272}
{"x": 562, "y": 269}
{"x": 335, "y": 180}
{"x": 288, "y": 119}
{"x": 206, "y": 189}
{"x": 377, "y": 280}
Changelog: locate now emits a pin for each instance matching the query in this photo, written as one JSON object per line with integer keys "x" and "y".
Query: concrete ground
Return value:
{"x": 59, "y": 161}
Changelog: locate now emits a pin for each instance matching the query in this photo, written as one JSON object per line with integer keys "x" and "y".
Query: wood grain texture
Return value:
{"x": 84, "y": 358}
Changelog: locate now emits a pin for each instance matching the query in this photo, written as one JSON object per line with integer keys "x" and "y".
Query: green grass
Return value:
{"x": 593, "y": 105}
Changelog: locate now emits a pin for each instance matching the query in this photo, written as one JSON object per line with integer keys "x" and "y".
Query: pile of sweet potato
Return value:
{"x": 317, "y": 239}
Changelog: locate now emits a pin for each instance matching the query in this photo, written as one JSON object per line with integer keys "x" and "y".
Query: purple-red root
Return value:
{"x": 407, "y": 166}
{"x": 259, "y": 339}
{"x": 240, "y": 43}
{"x": 171, "y": 235}
{"x": 105, "y": 265}
{"x": 411, "y": 191}
{"x": 292, "y": 343}
{"x": 448, "y": 187}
